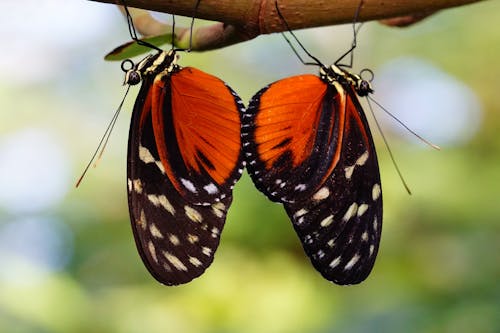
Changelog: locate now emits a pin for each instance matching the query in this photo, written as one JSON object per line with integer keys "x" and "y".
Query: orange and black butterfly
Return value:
{"x": 308, "y": 145}
{"x": 184, "y": 157}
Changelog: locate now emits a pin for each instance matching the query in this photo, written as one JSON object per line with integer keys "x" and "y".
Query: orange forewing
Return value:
{"x": 289, "y": 111}
{"x": 206, "y": 124}
{"x": 206, "y": 119}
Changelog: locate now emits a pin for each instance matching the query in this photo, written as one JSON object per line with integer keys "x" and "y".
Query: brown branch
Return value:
{"x": 246, "y": 19}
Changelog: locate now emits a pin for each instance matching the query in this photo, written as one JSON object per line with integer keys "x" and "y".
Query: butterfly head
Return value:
{"x": 335, "y": 73}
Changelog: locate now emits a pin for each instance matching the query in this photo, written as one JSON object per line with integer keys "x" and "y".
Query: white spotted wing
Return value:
{"x": 340, "y": 225}
{"x": 181, "y": 171}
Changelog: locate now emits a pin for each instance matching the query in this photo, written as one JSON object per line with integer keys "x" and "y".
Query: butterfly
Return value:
{"x": 184, "y": 157}
{"x": 308, "y": 145}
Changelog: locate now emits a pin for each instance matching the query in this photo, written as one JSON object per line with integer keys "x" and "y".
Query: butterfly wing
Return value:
{"x": 197, "y": 127}
{"x": 290, "y": 137}
{"x": 175, "y": 236}
{"x": 340, "y": 225}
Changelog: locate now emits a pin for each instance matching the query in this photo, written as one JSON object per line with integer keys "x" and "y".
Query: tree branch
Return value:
{"x": 246, "y": 19}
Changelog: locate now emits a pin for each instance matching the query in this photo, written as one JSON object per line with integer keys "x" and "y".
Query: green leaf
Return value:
{"x": 132, "y": 49}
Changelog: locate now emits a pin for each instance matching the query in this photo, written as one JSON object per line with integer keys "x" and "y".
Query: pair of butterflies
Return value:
{"x": 304, "y": 140}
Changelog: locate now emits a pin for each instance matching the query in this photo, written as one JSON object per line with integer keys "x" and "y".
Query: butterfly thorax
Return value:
{"x": 162, "y": 62}
{"x": 335, "y": 73}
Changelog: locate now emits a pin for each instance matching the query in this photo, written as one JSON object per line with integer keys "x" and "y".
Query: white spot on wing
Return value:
{"x": 335, "y": 262}
{"x": 145, "y": 155}
{"x": 300, "y": 213}
{"x": 326, "y": 221}
{"x": 364, "y": 236}
{"x": 152, "y": 251}
{"x": 153, "y": 198}
{"x": 192, "y": 238}
{"x": 362, "y": 209}
{"x": 211, "y": 188}
{"x": 206, "y": 251}
{"x": 322, "y": 194}
{"x": 218, "y": 209}
{"x": 195, "y": 261}
{"x": 331, "y": 243}
{"x": 175, "y": 261}
{"x": 362, "y": 159}
{"x": 155, "y": 232}
{"x": 300, "y": 187}
{"x": 161, "y": 200}
{"x": 376, "y": 192}
{"x": 166, "y": 204}
{"x": 348, "y": 172}
{"x": 193, "y": 214}
{"x": 189, "y": 185}
{"x": 137, "y": 185}
{"x": 174, "y": 239}
{"x": 350, "y": 212}
{"x": 352, "y": 262}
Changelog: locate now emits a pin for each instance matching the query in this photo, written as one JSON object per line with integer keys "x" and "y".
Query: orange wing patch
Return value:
{"x": 288, "y": 118}
{"x": 203, "y": 120}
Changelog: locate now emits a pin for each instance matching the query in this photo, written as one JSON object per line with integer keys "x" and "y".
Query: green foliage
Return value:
{"x": 132, "y": 49}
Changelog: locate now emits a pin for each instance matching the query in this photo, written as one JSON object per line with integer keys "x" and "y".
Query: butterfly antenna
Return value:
{"x": 430, "y": 144}
{"x": 407, "y": 188}
{"x": 354, "y": 43}
{"x": 104, "y": 140}
{"x": 316, "y": 60}
{"x": 172, "y": 40}
{"x": 132, "y": 31}
{"x": 191, "y": 28}
{"x": 295, "y": 51}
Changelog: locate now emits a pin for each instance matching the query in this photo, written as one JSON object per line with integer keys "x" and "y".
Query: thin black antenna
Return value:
{"x": 195, "y": 11}
{"x": 317, "y": 62}
{"x": 355, "y": 31}
{"x": 430, "y": 144}
{"x": 388, "y": 148}
{"x": 133, "y": 33}
{"x": 172, "y": 40}
{"x": 104, "y": 140}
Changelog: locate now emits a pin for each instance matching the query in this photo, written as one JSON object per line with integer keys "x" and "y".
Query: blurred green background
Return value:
{"x": 68, "y": 262}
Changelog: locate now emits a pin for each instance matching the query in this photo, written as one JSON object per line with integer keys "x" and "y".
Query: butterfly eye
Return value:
{"x": 363, "y": 88}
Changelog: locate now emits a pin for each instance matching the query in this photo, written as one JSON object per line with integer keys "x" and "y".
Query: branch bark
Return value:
{"x": 246, "y": 19}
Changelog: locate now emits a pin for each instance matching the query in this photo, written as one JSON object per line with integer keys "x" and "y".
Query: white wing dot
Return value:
{"x": 362, "y": 209}
{"x": 155, "y": 232}
{"x": 326, "y": 221}
{"x": 175, "y": 261}
{"x": 322, "y": 194}
{"x": 335, "y": 262}
{"x": 193, "y": 214}
{"x": 350, "y": 212}
{"x": 352, "y": 262}
{"x": 376, "y": 192}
